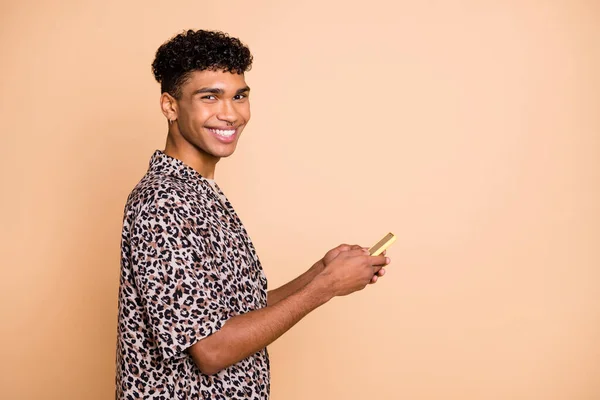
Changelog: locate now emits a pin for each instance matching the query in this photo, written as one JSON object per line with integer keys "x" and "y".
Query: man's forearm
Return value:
{"x": 276, "y": 295}
{"x": 245, "y": 334}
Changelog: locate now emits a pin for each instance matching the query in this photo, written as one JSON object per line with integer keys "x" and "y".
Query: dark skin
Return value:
{"x": 205, "y": 124}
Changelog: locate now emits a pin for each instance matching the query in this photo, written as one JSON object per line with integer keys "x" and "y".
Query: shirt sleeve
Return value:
{"x": 176, "y": 275}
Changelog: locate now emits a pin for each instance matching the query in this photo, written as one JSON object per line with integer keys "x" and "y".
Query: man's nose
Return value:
{"x": 227, "y": 112}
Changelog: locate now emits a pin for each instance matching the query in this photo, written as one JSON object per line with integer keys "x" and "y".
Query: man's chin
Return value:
{"x": 223, "y": 153}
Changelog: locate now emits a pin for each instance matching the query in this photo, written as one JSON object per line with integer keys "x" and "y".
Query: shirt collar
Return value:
{"x": 163, "y": 164}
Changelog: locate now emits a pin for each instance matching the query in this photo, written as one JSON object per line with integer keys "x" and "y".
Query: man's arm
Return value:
{"x": 282, "y": 292}
{"x": 244, "y": 335}
{"x": 276, "y": 295}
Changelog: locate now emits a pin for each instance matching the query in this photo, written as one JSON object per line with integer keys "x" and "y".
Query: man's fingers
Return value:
{"x": 347, "y": 247}
{"x": 373, "y": 260}
{"x": 343, "y": 247}
{"x": 379, "y": 260}
{"x": 377, "y": 275}
{"x": 376, "y": 269}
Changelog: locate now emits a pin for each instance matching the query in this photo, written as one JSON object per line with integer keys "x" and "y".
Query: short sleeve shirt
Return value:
{"x": 187, "y": 266}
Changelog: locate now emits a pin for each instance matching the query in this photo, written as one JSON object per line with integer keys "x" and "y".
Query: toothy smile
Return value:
{"x": 222, "y": 132}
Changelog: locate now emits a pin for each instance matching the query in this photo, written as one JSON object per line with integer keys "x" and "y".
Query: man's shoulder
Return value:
{"x": 155, "y": 190}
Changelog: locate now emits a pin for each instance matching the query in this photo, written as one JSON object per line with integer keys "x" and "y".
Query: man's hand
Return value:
{"x": 333, "y": 253}
{"x": 276, "y": 295}
{"x": 350, "y": 271}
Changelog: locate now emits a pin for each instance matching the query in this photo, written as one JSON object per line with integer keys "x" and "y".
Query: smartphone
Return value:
{"x": 383, "y": 244}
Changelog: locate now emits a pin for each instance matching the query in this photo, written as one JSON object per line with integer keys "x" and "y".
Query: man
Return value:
{"x": 195, "y": 316}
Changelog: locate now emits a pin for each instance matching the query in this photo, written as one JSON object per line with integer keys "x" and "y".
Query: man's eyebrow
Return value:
{"x": 211, "y": 90}
{"x": 208, "y": 90}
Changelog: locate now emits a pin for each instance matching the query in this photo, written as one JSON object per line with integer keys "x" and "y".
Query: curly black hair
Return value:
{"x": 198, "y": 51}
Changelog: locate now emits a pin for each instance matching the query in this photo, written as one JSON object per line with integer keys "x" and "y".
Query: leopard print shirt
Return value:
{"x": 187, "y": 266}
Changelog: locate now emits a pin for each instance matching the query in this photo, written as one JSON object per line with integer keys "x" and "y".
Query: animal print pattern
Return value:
{"x": 187, "y": 266}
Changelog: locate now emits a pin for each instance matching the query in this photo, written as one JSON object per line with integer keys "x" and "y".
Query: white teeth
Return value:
{"x": 223, "y": 133}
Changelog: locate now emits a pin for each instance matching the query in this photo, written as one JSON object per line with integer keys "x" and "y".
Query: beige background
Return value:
{"x": 469, "y": 128}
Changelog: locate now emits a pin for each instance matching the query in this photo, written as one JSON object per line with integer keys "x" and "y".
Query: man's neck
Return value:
{"x": 203, "y": 163}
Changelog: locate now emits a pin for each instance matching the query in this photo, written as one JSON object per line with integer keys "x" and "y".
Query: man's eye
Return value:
{"x": 209, "y": 97}
{"x": 240, "y": 96}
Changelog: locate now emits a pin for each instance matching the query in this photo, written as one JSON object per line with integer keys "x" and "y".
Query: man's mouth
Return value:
{"x": 223, "y": 132}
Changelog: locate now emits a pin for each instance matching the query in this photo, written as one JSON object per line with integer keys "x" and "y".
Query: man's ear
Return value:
{"x": 168, "y": 104}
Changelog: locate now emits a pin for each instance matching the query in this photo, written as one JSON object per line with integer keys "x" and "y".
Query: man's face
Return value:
{"x": 213, "y": 110}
